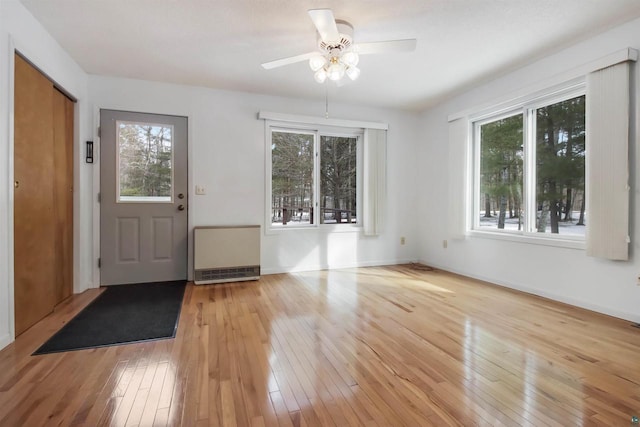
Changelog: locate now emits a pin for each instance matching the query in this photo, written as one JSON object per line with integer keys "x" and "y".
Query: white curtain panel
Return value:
{"x": 458, "y": 172}
{"x": 375, "y": 180}
{"x": 607, "y": 168}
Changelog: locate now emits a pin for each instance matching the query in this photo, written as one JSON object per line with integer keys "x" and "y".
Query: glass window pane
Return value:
{"x": 501, "y": 174}
{"x": 560, "y": 153}
{"x": 145, "y": 157}
{"x": 291, "y": 178}
{"x": 338, "y": 177}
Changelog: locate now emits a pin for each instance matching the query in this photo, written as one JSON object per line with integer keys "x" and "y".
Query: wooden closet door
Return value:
{"x": 34, "y": 237}
{"x": 63, "y": 194}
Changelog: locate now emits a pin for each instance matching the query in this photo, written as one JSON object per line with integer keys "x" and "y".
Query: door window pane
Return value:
{"x": 560, "y": 173}
{"x": 291, "y": 178}
{"x": 338, "y": 178}
{"x": 145, "y": 160}
{"x": 501, "y": 174}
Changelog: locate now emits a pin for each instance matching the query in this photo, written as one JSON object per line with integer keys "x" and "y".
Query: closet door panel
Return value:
{"x": 63, "y": 194}
{"x": 34, "y": 224}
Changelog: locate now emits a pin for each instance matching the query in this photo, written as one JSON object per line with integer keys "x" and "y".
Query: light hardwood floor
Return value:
{"x": 378, "y": 346}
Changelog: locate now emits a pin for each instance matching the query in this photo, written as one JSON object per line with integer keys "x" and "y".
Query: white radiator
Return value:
{"x": 226, "y": 254}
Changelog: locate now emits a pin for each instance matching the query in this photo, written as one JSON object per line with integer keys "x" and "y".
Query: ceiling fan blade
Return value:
{"x": 390, "y": 46}
{"x": 290, "y": 60}
{"x": 325, "y": 24}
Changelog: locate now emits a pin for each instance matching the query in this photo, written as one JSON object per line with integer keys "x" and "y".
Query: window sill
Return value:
{"x": 530, "y": 239}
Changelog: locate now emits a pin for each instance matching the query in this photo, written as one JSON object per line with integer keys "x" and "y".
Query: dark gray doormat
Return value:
{"x": 122, "y": 314}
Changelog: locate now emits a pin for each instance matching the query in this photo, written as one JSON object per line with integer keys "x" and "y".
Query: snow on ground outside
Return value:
{"x": 511, "y": 224}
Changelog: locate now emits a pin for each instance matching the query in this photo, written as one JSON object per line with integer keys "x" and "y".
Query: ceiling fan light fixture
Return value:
{"x": 317, "y": 62}
{"x": 320, "y": 75}
{"x": 353, "y": 72}
{"x": 335, "y": 71}
{"x": 337, "y": 54}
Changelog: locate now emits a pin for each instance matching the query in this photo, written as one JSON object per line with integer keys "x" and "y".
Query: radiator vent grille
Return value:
{"x": 213, "y": 275}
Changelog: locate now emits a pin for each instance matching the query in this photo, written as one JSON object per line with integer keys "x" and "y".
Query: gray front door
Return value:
{"x": 143, "y": 197}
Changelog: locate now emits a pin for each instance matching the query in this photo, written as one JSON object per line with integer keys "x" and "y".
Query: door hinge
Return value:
{"x": 99, "y": 262}
{"x": 99, "y": 198}
{"x": 99, "y": 132}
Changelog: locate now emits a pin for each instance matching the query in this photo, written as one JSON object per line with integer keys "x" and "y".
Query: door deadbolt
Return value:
{"x": 181, "y": 207}
{"x": 180, "y": 196}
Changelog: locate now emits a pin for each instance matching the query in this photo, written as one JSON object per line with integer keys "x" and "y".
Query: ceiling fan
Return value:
{"x": 337, "y": 55}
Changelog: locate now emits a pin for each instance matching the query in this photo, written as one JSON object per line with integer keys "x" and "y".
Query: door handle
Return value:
{"x": 16, "y": 184}
{"x": 180, "y": 207}
{"x": 180, "y": 196}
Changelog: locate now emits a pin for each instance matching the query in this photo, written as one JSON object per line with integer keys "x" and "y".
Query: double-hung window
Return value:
{"x": 316, "y": 177}
{"x": 529, "y": 167}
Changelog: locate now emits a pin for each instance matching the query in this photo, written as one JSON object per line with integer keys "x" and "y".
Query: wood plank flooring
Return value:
{"x": 379, "y": 346}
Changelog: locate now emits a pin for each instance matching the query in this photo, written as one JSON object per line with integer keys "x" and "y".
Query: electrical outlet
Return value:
{"x": 200, "y": 190}
{"x": 403, "y": 240}
{"x": 445, "y": 244}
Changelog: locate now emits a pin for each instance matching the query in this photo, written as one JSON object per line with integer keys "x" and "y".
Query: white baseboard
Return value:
{"x": 632, "y": 317}
{"x": 5, "y": 340}
{"x": 85, "y": 287}
{"x": 318, "y": 267}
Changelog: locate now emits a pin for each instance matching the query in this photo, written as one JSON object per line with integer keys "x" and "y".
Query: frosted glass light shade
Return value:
{"x": 353, "y": 72}
{"x": 320, "y": 76}
{"x": 350, "y": 58}
{"x": 335, "y": 71}
{"x": 317, "y": 62}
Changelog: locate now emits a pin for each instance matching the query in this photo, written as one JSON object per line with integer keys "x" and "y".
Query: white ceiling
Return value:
{"x": 221, "y": 43}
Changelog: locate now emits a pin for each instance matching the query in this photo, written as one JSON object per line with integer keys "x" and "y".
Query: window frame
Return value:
{"x": 476, "y": 132}
{"x": 317, "y": 131}
{"x": 143, "y": 199}
{"x": 526, "y": 106}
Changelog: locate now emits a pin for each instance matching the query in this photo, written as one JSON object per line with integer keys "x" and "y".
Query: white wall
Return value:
{"x": 19, "y": 30}
{"x": 227, "y": 157}
{"x": 563, "y": 274}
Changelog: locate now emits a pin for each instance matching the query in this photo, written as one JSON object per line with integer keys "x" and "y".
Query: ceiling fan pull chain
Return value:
{"x": 326, "y": 100}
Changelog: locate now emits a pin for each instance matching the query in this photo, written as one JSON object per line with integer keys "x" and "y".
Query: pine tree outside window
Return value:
{"x": 338, "y": 180}
{"x": 315, "y": 178}
{"x": 145, "y": 161}
{"x": 529, "y": 167}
